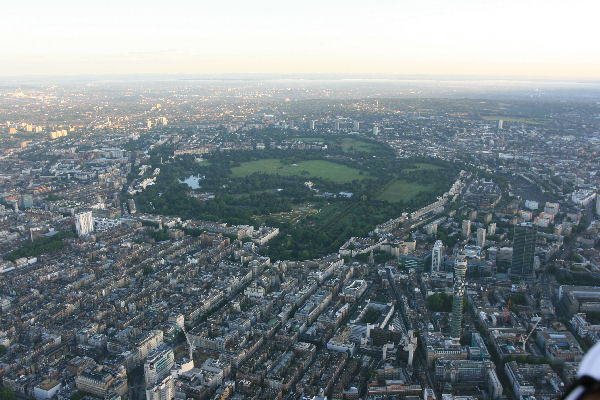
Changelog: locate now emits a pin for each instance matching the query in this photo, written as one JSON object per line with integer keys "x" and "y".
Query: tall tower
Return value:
{"x": 523, "y": 252}
{"x": 158, "y": 364}
{"x": 466, "y": 228}
{"x": 436, "y": 256}
{"x": 84, "y": 223}
{"x": 460, "y": 271}
{"x": 161, "y": 390}
{"x": 481, "y": 237}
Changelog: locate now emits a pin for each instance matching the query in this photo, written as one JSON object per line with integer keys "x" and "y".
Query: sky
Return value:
{"x": 507, "y": 38}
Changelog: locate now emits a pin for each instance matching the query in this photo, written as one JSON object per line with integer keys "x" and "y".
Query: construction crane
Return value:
{"x": 189, "y": 342}
{"x": 525, "y": 339}
{"x": 410, "y": 344}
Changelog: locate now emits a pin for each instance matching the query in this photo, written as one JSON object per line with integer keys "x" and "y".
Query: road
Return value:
{"x": 419, "y": 357}
{"x": 566, "y": 249}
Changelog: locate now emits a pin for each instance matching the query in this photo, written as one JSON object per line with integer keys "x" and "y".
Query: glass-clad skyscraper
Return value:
{"x": 523, "y": 252}
{"x": 460, "y": 272}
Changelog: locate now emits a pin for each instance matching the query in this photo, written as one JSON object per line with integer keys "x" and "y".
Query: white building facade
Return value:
{"x": 84, "y": 223}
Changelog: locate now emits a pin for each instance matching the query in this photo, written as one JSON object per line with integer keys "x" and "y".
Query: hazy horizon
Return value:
{"x": 546, "y": 40}
{"x": 311, "y": 76}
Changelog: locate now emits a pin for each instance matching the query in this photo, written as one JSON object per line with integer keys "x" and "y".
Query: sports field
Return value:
{"x": 399, "y": 190}
{"x": 426, "y": 166}
{"x": 350, "y": 145}
{"x": 322, "y": 169}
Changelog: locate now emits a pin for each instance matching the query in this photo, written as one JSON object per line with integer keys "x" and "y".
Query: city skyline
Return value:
{"x": 542, "y": 40}
{"x": 283, "y": 239}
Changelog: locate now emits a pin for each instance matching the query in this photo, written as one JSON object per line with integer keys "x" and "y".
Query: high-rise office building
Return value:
{"x": 466, "y": 228}
{"x": 436, "y": 256}
{"x": 312, "y": 124}
{"x": 500, "y": 123}
{"x": 523, "y": 252}
{"x": 27, "y": 201}
{"x": 491, "y": 228}
{"x": 375, "y": 130}
{"x": 161, "y": 390}
{"x": 158, "y": 364}
{"x": 598, "y": 204}
{"x": 460, "y": 272}
{"x": 356, "y": 126}
{"x": 84, "y": 223}
{"x": 481, "y": 237}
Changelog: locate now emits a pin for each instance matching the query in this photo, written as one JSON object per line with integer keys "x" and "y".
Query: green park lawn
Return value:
{"x": 350, "y": 145}
{"x": 426, "y": 166}
{"x": 399, "y": 190}
{"x": 322, "y": 169}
